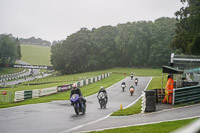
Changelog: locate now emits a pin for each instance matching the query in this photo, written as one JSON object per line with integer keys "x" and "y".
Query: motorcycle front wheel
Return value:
{"x": 76, "y": 109}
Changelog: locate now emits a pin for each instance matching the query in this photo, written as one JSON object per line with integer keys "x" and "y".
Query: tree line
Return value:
{"x": 136, "y": 44}
{"x": 35, "y": 41}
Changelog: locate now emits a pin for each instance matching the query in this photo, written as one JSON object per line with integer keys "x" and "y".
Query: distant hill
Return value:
{"x": 36, "y": 55}
{"x": 35, "y": 41}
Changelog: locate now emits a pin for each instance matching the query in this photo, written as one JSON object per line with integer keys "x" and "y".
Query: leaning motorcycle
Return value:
{"x": 78, "y": 107}
{"x": 123, "y": 87}
{"x": 102, "y": 100}
{"x": 132, "y": 91}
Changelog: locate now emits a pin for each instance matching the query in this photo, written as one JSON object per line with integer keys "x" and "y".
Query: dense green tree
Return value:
{"x": 187, "y": 38}
{"x": 19, "y": 55}
{"x": 103, "y": 51}
{"x": 71, "y": 56}
{"x": 163, "y": 32}
{"x": 9, "y": 50}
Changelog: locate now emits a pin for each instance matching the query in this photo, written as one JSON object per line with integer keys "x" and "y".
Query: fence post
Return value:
{"x": 173, "y": 96}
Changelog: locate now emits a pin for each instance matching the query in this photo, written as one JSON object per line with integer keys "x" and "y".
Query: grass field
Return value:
{"x": 164, "y": 127}
{"x": 36, "y": 55}
{"x": 4, "y": 71}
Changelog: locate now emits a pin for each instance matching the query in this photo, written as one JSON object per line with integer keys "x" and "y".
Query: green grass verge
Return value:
{"x": 4, "y": 71}
{"x": 135, "y": 109}
{"x": 36, "y": 55}
{"x": 163, "y": 127}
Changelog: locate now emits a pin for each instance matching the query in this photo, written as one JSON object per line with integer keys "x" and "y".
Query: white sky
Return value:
{"x": 56, "y": 19}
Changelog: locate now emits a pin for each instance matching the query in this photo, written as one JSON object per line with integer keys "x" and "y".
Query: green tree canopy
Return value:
{"x": 187, "y": 38}
{"x": 10, "y": 50}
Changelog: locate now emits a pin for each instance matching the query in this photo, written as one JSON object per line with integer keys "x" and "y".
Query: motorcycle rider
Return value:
{"x": 123, "y": 83}
{"x": 105, "y": 93}
{"x": 136, "y": 81}
{"x": 132, "y": 87}
{"x": 131, "y": 75}
{"x": 76, "y": 90}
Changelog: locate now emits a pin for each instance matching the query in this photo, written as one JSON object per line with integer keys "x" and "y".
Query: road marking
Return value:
{"x": 77, "y": 127}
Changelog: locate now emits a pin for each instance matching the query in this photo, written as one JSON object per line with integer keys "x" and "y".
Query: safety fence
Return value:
{"x": 29, "y": 94}
{"x": 12, "y": 76}
{"x": 6, "y": 96}
{"x": 189, "y": 94}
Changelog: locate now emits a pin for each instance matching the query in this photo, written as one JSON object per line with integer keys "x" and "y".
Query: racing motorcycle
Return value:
{"x": 132, "y": 90}
{"x": 102, "y": 100}
{"x": 136, "y": 81}
{"x": 123, "y": 87}
{"x": 78, "y": 107}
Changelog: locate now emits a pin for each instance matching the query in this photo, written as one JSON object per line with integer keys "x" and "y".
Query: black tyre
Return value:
{"x": 150, "y": 103}
{"x": 131, "y": 93}
{"x": 101, "y": 105}
{"x": 150, "y": 108}
{"x": 76, "y": 109}
{"x": 83, "y": 110}
{"x": 150, "y": 93}
{"x": 123, "y": 88}
{"x": 151, "y": 98}
{"x": 104, "y": 104}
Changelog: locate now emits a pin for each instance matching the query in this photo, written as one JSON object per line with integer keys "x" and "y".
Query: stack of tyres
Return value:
{"x": 150, "y": 101}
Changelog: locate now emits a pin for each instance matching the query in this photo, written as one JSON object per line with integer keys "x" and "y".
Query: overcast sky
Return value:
{"x": 57, "y": 19}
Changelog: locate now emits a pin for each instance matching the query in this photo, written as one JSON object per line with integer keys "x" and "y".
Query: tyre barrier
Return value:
{"x": 148, "y": 101}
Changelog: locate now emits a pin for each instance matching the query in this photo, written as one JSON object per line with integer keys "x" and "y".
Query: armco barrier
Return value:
{"x": 48, "y": 91}
{"x": 19, "y": 96}
{"x": 28, "y": 94}
{"x": 186, "y": 95}
{"x": 63, "y": 88}
{"x": 36, "y": 93}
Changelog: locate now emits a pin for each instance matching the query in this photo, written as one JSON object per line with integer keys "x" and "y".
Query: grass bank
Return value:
{"x": 163, "y": 127}
{"x": 36, "y": 55}
{"x": 4, "y": 71}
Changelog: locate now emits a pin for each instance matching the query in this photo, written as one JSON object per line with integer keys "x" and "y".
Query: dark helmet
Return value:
{"x": 169, "y": 76}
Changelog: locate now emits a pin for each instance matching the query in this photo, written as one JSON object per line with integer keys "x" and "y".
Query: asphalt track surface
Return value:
{"x": 112, "y": 122}
{"x": 59, "y": 116}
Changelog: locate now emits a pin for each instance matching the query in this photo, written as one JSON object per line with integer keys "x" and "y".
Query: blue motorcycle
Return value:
{"x": 78, "y": 104}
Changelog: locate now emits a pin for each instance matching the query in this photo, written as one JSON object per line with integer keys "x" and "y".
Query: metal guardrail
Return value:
{"x": 189, "y": 94}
